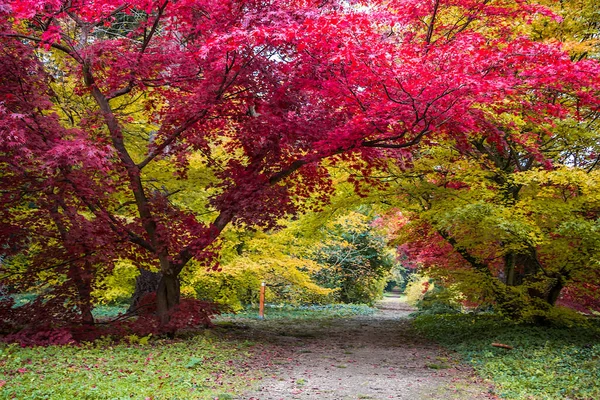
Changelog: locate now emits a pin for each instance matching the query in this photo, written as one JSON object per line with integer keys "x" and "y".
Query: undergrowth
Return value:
{"x": 545, "y": 362}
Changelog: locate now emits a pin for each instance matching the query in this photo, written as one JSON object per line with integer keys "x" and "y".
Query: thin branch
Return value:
{"x": 57, "y": 46}
{"x": 61, "y": 264}
{"x": 590, "y": 169}
{"x": 464, "y": 253}
{"x": 174, "y": 135}
{"x": 432, "y": 22}
{"x": 279, "y": 176}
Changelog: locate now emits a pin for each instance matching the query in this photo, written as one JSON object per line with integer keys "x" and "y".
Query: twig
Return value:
{"x": 502, "y": 346}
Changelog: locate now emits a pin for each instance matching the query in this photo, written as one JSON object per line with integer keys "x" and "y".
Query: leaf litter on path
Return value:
{"x": 375, "y": 356}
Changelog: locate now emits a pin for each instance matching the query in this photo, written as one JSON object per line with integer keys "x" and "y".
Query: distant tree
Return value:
{"x": 356, "y": 259}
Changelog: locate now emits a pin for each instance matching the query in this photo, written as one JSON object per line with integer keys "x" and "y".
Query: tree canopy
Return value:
{"x": 239, "y": 103}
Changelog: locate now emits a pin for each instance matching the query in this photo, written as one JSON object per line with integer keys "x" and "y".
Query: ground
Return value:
{"x": 376, "y": 356}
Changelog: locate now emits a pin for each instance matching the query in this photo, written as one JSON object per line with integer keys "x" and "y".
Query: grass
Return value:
{"x": 195, "y": 368}
{"x": 288, "y": 312}
{"x": 104, "y": 312}
{"x": 198, "y": 367}
{"x": 394, "y": 295}
{"x": 546, "y": 362}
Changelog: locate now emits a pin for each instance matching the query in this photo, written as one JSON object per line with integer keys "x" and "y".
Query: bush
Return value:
{"x": 399, "y": 278}
{"x": 355, "y": 259}
{"x": 416, "y": 288}
{"x": 554, "y": 316}
{"x": 364, "y": 291}
{"x": 439, "y": 300}
{"x": 238, "y": 284}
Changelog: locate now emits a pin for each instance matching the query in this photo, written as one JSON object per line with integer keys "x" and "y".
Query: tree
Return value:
{"x": 514, "y": 238}
{"x": 481, "y": 203}
{"x": 279, "y": 85}
{"x": 357, "y": 262}
{"x": 43, "y": 217}
{"x": 577, "y": 28}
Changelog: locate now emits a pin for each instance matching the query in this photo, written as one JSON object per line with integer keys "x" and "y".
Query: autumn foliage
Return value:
{"x": 100, "y": 97}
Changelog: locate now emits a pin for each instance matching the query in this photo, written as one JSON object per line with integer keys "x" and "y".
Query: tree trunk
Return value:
{"x": 146, "y": 283}
{"x": 554, "y": 290}
{"x": 83, "y": 283}
{"x": 509, "y": 269}
{"x": 167, "y": 296}
{"x": 86, "y": 314}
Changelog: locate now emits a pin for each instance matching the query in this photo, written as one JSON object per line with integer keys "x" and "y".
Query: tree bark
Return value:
{"x": 146, "y": 283}
{"x": 79, "y": 273}
{"x": 167, "y": 296}
{"x": 83, "y": 283}
{"x": 554, "y": 290}
{"x": 509, "y": 269}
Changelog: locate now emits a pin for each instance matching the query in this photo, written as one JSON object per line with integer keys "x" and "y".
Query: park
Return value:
{"x": 299, "y": 199}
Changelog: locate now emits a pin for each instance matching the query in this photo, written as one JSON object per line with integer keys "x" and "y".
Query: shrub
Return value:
{"x": 431, "y": 297}
{"x": 355, "y": 259}
{"x": 416, "y": 288}
{"x": 554, "y": 316}
{"x": 238, "y": 284}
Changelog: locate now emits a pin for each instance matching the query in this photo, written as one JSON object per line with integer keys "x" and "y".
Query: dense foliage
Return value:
{"x": 513, "y": 222}
{"x": 357, "y": 262}
{"x": 515, "y": 238}
{"x": 142, "y": 130}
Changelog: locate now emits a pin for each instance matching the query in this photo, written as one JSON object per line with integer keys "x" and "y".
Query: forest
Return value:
{"x": 161, "y": 159}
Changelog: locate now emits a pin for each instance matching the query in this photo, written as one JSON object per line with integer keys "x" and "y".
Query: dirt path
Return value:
{"x": 365, "y": 357}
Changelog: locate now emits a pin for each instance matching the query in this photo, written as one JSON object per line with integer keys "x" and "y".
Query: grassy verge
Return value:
{"x": 198, "y": 367}
{"x": 546, "y": 363}
{"x": 195, "y": 368}
{"x": 272, "y": 311}
{"x": 304, "y": 312}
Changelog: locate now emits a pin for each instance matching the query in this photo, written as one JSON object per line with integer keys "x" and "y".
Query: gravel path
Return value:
{"x": 365, "y": 357}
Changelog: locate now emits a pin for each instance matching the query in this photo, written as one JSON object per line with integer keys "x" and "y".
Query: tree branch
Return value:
{"x": 432, "y": 22}
{"x": 57, "y": 46}
{"x": 468, "y": 257}
{"x": 172, "y": 137}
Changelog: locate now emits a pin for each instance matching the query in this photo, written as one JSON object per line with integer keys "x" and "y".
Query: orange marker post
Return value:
{"x": 261, "y": 309}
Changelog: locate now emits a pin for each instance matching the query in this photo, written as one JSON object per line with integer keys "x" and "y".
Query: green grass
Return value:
{"x": 199, "y": 367}
{"x": 109, "y": 311}
{"x": 24, "y": 298}
{"x": 305, "y": 312}
{"x": 402, "y": 296}
{"x": 546, "y": 362}
{"x": 271, "y": 311}
{"x": 195, "y": 368}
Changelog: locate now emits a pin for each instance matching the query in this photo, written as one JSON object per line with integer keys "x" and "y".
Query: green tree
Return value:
{"x": 517, "y": 237}
{"x": 356, "y": 257}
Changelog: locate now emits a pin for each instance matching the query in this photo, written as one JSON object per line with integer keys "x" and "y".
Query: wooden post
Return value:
{"x": 261, "y": 309}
